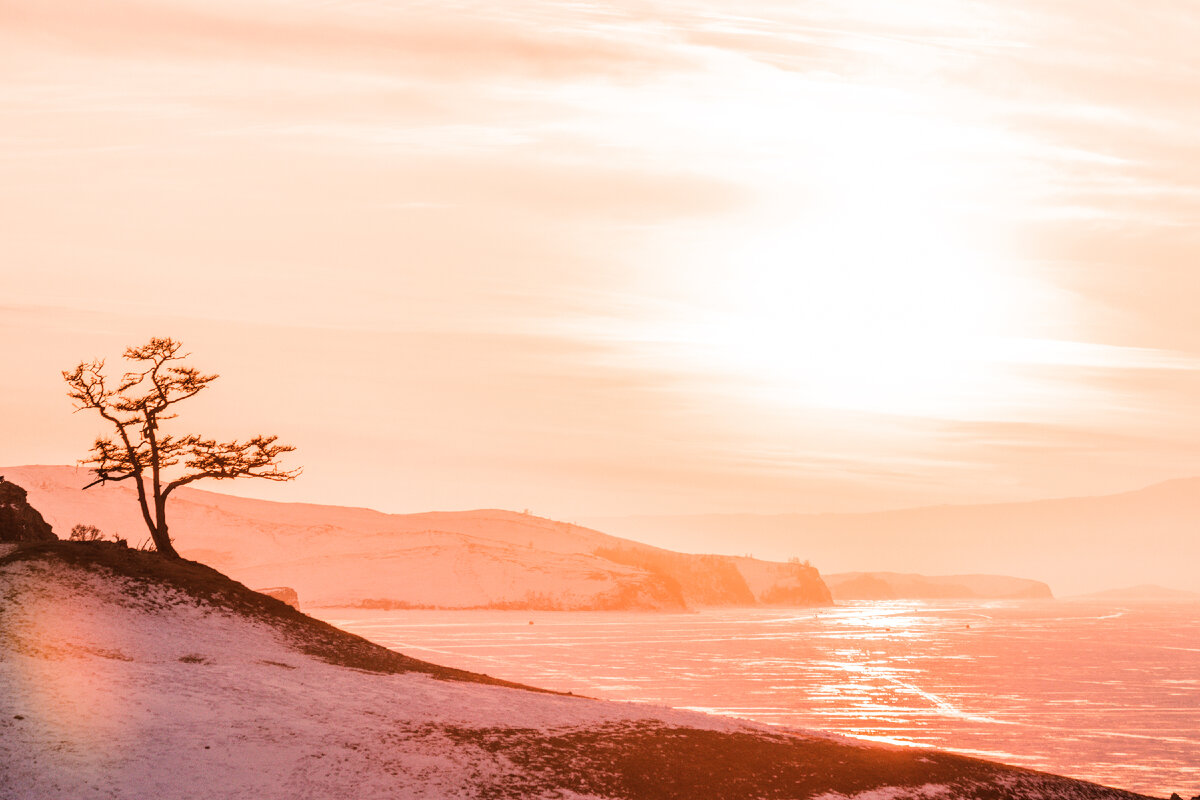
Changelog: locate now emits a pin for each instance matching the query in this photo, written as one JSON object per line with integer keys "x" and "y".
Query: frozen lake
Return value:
{"x": 1105, "y": 692}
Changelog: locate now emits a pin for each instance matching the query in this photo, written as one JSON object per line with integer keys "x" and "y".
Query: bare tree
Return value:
{"x": 144, "y": 398}
{"x": 86, "y": 533}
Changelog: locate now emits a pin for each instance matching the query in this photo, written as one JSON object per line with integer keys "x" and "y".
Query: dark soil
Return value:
{"x": 654, "y": 761}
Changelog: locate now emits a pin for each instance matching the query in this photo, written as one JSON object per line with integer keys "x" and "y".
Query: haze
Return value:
{"x": 624, "y": 259}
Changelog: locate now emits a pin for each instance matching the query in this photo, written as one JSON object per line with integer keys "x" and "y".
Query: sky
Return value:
{"x": 626, "y": 258}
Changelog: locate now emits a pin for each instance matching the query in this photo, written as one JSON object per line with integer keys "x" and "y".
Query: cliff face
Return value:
{"x": 285, "y": 594}
{"x": 791, "y": 583}
{"x": 712, "y": 580}
{"x": 19, "y": 521}
{"x": 702, "y": 580}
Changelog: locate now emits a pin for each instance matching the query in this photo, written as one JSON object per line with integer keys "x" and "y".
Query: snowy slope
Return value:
{"x": 121, "y": 678}
{"x": 341, "y": 556}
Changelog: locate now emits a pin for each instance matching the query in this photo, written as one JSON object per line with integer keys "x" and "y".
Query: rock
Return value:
{"x": 19, "y": 521}
{"x": 285, "y": 593}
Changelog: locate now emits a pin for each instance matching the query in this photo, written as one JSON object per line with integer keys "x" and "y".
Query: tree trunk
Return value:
{"x": 162, "y": 539}
{"x": 162, "y": 543}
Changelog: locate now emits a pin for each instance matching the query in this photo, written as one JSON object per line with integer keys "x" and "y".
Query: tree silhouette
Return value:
{"x": 142, "y": 400}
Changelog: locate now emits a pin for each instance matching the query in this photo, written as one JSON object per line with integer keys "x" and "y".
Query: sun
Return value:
{"x": 883, "y": 297}
{"x": 871, "y": 260}
{"x": 895, "y": 319}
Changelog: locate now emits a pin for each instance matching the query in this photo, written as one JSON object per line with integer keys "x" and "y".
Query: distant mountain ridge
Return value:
{"x": 1076, "y": 544}
{"x": 1145, "y": 591}
{"x": 907, "y": 586}
{"x": 474, "y": 559}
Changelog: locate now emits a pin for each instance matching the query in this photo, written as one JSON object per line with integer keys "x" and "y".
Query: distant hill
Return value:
{"x": 1078, "y": 544}
{"x": 124, "y": 675}
{"x": 901, "y": 586}
{"x": 1145, "y": 591}
{"x": 333, "y": 555}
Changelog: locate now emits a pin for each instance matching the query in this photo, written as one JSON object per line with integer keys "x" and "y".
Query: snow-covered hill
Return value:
{"x": 126, "y": 676}
{"x": 490, "y": 558}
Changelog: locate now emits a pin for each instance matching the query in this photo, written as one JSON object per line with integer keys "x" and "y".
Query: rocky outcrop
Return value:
{"x": 19, "y": 521}
{"x": 793, "y": 583}
{"x": 703, "y": 580}
{"x": 715, "y": 580}
{"x": 284, "y": 593}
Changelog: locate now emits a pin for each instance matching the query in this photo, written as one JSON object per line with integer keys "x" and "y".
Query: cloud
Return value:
{"x": 815, "y": 191}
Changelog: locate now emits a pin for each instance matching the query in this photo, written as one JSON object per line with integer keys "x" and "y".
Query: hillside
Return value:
{"x": 489, "y": 558}
{"x": 1076, "y": 545}
{"x": 122, "y": 675}
{"x": 900, "y": 586}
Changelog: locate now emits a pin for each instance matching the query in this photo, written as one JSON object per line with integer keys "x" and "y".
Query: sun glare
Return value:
{"x": 882, "y": 296}
{"x": 886, "y": 320}
{"x": 871, "y": 270}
